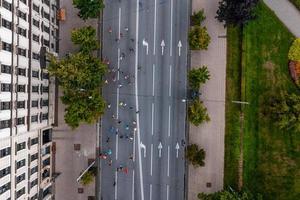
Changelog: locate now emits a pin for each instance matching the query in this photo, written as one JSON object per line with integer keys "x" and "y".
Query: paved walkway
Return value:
{"x": 68, "y": 161}
{"x": 287, "y": 13}
{"x": 210, "y": 136}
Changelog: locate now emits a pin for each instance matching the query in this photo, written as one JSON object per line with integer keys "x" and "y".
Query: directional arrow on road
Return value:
{"x": 177, "y": 149}
{"x": 145, "y": 43}
{"x": 144, "y": 147}
{"x": 159, "y": 149}
{"x": 179, "y": 47}
{"x": 162, "y": 44}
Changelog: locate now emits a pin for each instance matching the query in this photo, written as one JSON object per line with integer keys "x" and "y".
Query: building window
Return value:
{"x": 34, "y": 118}
{"x": 21, "y": 146}
{"x": 34, "y": 157}
{"x": 47, "y": 2}
{"x": 22, "y": 15}
{"x": 46, "y": 15}
{"x": 22, "y": 32}
{"x": 21, "y": 88}
{"x": 21, "y": 163}
{"x": 5, "y": 152}
{"x": 44, "y": 116}
{"x": 20, "y": 120}
{"x": 45, "y": 88}
{"x": 4, "y": 172}
{"x": 34, "y": 140}
{"x": 36, "y": 38}
{"x": 5, "y": 69}
{"x": 45, "y": 75}
{"x": 35, "y": 74}
{"x": 6, "y": 5}
{"x": 33, "y": 183}
{"x": 34, "y": 197}
{"x": 5, "y": 124}
{"x": 24, "y": 1}
{"x": 46, "y": 162}
{"x": 6, "y": 24}
{"x": 36, "y": 8}
{"x": 36, "y": 23}
{"x": 4, "y": 188}
{"x": 45, "y": 102}
{"x": 6, "y": 46}
{"x": 20, "y": 192}
{"x": 35, "y": 56}
{"x": 46, "y": 42}
{"x": 20, "y": 178}
{"x": 21, "y": 71}
{"x": 33, "y": 170}
{"x": 6, "y": 105}
{"x": 35, "y": 103}
{"x": 5, "y": 87}
{"x": 21, "y": 104}
{"x": 35, "y": 89}
{"x": 46, "y": 29}
{"x": 22, "y": 52}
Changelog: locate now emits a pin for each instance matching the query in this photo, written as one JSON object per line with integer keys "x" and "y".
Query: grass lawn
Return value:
{"x": 296, "y": 3}
{"x": 271, "y": 156}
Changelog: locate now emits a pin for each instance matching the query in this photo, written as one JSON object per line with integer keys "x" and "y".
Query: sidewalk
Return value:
{"x": 70, "y": 162}
{"x": 287, "y": 13}
{"x": 210, "y": 136}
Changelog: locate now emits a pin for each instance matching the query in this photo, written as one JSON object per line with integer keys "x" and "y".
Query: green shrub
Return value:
{"x": 199, "y": 38}
{"x": 87, "y": 178}
{"x": 197, "y": 18}
{"x": 294, "y": 52}
{"x": 198, "y": 76}
{"x": 195, "y": 155}
{"x": 197, "y": 113}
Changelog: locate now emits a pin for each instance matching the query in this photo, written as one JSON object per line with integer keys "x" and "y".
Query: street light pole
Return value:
{"x": 85, "y": 171}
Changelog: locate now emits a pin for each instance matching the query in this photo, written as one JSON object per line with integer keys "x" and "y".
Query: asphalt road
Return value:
{"x": 145, "y": 43}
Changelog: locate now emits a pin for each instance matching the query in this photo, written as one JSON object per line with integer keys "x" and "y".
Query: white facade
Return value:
{"x": 26, "y": 100}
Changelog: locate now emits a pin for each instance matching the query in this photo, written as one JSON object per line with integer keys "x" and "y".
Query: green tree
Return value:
{"x": 88, "y": 8}
{"x": 82, "y": 107}
{"x": 284, "y": 109}
{"x": 197, "y": 18}
{"x": 87, "y": 178}
{"x": 294, "y": 52}
{"x": 197, "y": 113}
{"x": 78, "y": 71}
{"x": 86, "y": 38}
{"x": 195, "y": 155}
{"x": 199, "y": 38}
{"x": 230, "y": 194}
{"x": 236, "y": 12}
{"x": 198, "y": 76}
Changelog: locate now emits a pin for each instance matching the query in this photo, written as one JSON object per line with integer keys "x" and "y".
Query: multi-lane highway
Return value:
{"x": 143, "y": 130}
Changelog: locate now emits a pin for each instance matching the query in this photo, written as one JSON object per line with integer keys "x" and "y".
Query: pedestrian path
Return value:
{"x": 287, "y": 13}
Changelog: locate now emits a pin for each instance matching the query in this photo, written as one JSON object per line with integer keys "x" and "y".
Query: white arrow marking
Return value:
{"x": 177, "y": 149}
{"x": 179, "y": 47}
{"x": 159, "y": 149}
{"x": 145, "y": 43}
{"x": 143, "y": 147}
{"x": 162, "y": 44}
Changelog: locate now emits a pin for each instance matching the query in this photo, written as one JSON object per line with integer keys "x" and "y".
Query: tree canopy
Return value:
{"x": 198, "y": 17}
{"x": 197, "y": 113}
{"x": 198, "y": 76}
{"x": 236, "y": 12}
{"x": 294, "y": 52}
{"x": 195, "y": 155}
{"x": 87, "y": 178}
{"x": 85, "y": 37}
{"x": 88, "y": 8}
{"x": 230, "y": 194}
{"x": 199, "y": 38}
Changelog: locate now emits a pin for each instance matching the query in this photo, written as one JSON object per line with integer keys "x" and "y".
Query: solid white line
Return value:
{"x": 117, "y": 146}
{"x": 153, "y": 80}
{"x": 137, "y": 101}
{"x": 116, "y": 186}
{"x": 151, "y": 160}
{"x": 170, "y": 81}
{"x": 168, "y": 172}
{"x": 169, "y": 122}
{"x": 167, "y": 192}
{"x": 119, "y": 23}
{"x": 150, "y": 198}
{"x": 118, "y": 89}
{"x": 154, "y": 37}
{"x": 134, "y": 140}
{"x": 132, "y": 192}
{"x": 171, "y": 38}
{"x": 152, "y": 120}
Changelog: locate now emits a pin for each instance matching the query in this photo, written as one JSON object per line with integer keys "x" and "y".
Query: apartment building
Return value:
{"x": 28, "y": 31}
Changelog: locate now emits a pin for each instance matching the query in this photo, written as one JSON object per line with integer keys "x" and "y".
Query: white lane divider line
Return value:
{"x": 153, "y": 80}
{"x": 134, "y": 140}
{"x": 116, "y": 185}
{"x": 150, "y": 198}
{"x": 152, "y": 120}
{"x": 117, "y": 146}
{"x": 151, "y": 160}
{"x": 170, "y": 81}
{"x": 119, "y": 23}
{"x": 154, "y": 37}
{"x": 169, "y": 122}
{"x": 168, "y": 171}
{"x": 132, "y": 191}
{"x": 118, "y": 89}
{"x": 171, "y": 38}
{"x": 168, "y": 192}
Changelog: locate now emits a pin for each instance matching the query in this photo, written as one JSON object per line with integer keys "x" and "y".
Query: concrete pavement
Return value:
{"x": 287, "y": 13}
{"x": 210, "y": 136}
